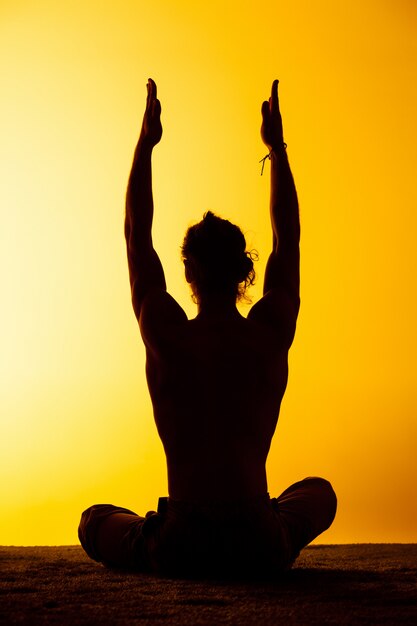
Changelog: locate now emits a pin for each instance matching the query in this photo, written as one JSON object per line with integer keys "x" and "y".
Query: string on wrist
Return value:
{"x": 268, "y": 156}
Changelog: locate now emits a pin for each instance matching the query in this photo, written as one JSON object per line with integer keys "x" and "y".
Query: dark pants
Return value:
{"x": 250, "y": 537}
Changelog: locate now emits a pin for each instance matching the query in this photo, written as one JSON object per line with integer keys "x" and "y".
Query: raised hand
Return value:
{"x": 151, "y": 132}
{"x": 271, "y": 129}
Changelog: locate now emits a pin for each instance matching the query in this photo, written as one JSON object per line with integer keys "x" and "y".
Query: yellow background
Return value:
{"x": 76, "y": 421}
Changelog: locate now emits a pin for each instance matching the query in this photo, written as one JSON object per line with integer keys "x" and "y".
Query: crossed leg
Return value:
{"x": 306, "y": 509}
{"x": 112, "y": 535}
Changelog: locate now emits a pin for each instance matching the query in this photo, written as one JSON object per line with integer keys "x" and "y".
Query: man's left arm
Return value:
{"x": 145, "y": 268}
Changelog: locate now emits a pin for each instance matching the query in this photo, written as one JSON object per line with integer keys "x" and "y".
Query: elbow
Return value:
{"x": 128, "y": 217}
{"x": 127, "y": 230}
{"x": 131, "y": 244}
{"x": 297, "y": 304}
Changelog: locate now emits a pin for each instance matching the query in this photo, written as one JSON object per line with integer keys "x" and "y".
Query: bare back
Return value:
{"x": 216, "y": 388}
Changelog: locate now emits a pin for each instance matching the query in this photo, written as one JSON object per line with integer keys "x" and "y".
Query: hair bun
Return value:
{"x": 217, "y": 249}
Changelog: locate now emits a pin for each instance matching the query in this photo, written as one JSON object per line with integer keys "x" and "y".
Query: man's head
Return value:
{"x": 215, "y": 258}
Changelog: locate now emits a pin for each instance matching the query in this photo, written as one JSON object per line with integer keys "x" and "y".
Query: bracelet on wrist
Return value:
{"x": 268, "y": 156}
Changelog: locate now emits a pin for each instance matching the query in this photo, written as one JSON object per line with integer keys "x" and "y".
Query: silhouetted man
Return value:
{"x": 216, "y": 383}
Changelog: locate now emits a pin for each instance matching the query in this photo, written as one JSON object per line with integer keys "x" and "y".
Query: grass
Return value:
{"x": 343, "y": 584}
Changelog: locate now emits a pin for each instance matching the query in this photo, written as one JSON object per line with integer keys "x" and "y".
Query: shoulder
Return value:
{"x": 279, "y": 311}
{"x": 160, "y": 317}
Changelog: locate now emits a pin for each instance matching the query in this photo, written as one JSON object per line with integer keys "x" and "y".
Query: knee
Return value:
{"x": 326, "y": 498}
{"x": 87, "y": 529}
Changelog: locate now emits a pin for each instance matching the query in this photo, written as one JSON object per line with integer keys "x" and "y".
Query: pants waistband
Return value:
{"x": 166, "y": 505}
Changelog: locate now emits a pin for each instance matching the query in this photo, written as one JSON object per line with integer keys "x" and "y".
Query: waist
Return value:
{"x": 212, "y": 507}
{"x": 216, "y": 480}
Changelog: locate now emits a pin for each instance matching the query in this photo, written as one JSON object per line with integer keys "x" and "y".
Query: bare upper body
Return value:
{"x": 216, "y": 381}
{"x": 216, "y": 386}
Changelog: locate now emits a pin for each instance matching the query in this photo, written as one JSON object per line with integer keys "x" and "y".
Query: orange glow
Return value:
{"x": 76, "y": 421}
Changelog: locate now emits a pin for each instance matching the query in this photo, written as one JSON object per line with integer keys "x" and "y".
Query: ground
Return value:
{"x": 344, "y": 584}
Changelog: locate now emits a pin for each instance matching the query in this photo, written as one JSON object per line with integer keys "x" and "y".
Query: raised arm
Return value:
{"x": 281, "y": 300}
{"x": 283, "y": 268}
{"x": 145, "y": 269}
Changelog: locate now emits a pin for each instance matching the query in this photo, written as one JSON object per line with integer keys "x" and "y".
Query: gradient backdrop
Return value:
{"x": 76, "y": 420}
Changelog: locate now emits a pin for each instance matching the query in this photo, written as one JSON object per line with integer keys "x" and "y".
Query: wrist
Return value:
{"x": 278, "y": 152}
{"x": 144, "y": 146}
{"x": 278, "y": 149}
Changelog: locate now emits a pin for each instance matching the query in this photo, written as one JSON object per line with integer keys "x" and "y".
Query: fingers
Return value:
{"x": 265, "y": 108}
{"x": 272, "y": 104}
{"x": 152, "y": 84}
{"x": 274, "y": 95}
{"x": 151, "y": 92}
{"x": 156, "y": 108}
{"x": 148, "y": 95}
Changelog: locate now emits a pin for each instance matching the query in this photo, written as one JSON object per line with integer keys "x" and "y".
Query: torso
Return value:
{"x": 216, "y": 389}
